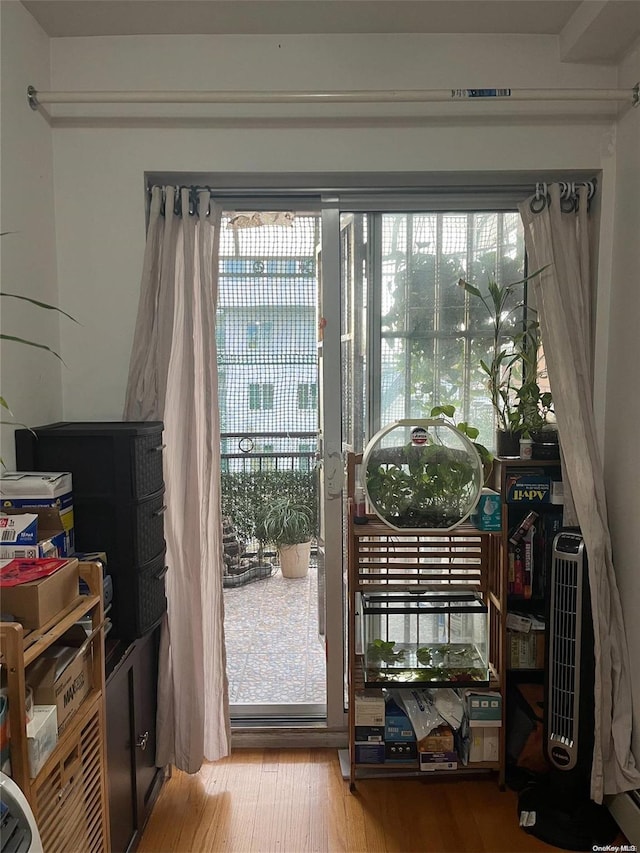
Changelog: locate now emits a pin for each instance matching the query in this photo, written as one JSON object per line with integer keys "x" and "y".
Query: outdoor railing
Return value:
{"x": 252, "y": 475}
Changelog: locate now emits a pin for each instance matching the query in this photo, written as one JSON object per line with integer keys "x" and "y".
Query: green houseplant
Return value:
{"x": 521, "y": 407}
{"x": 290, "y": 526}
{"x": 472, "y": 433}
{"x": 15, "y": 339}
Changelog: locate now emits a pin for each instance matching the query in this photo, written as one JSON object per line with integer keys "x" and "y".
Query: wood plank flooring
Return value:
{"x": 296, "y": 801}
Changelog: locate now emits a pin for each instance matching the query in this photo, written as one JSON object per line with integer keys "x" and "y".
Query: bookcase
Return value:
{"x": 383, "y": 561}
{"x": 531, "y": 517}
{"x": 68, "y": 794}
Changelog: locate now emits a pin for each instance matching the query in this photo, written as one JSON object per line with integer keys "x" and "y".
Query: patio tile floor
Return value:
{"x": 274, "y": 654}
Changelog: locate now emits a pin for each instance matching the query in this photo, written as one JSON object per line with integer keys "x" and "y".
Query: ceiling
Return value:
{"x": 588, "y": 30}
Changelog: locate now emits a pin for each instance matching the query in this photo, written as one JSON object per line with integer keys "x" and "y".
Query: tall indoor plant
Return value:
{"x": 4, "y": 405}
{"x": 520, "y": 406}
{"x": 290, "y": 526}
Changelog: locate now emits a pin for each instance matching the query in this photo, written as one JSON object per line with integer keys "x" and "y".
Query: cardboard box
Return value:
{"x": 42, "y": 736}
{"x": 369, "y": 753}
{"x": 484, "y": 708}
{"x": 36, "y": 603}
{"x": 484, "y": 745}
{"x": 30, "y": 489}
{"x": 62, "y": 674}
{"x": 401, "y": 751}
{"x": 369, "y": 708}
{"x": 528, "y": 487}
{"x": 50, "y": 538}
{"x": 397, "y": 725}
{"x": 18, "y": 529}
{"x": 488, "y": 512}
{"x": 525, "y": 650}
{"x": 439, "y": 740}
{"x": 432, "y": 761}
{"x": 369, "y": 734}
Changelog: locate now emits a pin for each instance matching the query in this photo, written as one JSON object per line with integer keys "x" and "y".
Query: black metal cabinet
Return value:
{"x": 134, "y": 779}
{"x": 118, "y": 495}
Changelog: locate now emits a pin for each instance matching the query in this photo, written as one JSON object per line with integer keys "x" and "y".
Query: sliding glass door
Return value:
{"x": 332, "y": 322}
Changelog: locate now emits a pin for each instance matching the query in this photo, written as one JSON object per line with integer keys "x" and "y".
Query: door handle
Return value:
{"x": 142, "y": 741}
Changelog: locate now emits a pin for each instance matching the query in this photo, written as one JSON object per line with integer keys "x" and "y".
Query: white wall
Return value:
{"x": 100, "y": 163}
{"x": 31, "y": 379}
{"x": 622, "y": 449}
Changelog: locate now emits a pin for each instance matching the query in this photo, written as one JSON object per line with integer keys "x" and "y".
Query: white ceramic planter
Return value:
{"x": 294, "y": 560}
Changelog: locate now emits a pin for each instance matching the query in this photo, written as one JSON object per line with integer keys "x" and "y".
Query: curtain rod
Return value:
{"x": 36, "y": 98}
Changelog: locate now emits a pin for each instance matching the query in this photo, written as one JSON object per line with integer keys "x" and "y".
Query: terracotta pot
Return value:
{"x": 294, "y": 560}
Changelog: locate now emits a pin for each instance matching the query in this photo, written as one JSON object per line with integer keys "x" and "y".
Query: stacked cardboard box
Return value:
{"x": 30, "y": 491}
{"x": 36, "y": 602}
{"x": 369, "y": 727}
{"x": 484, "y": 711}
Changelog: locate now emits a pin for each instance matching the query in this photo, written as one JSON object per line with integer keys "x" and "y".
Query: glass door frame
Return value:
{"x": 330, "y": 456}
{"x": 335, "y": 194}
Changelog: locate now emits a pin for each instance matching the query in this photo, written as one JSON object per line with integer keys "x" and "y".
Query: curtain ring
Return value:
{"x": 193, "y": 201}
{"x": 569, "y": 203}
{"x": 539, "y": 202}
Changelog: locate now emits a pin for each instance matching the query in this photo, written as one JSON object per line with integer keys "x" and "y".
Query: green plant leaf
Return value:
{"x": 470, "y": 288}
{"x": 37, "y": 303}
{"x": 32, "y": 344}
{"x": 447, "y": 410}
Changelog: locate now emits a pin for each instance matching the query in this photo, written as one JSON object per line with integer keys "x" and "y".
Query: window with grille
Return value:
{"x": 427, "y": 335}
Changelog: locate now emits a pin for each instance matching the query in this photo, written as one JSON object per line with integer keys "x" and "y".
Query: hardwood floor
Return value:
{"x": 296, "y": 801}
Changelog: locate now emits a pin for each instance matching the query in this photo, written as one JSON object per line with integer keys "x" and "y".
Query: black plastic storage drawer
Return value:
{"x": 130, "y": 533}
{"x": 143, "y": 601}
{"x": 120, "y": 459}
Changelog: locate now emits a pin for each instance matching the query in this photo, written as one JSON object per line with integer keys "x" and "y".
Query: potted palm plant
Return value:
{"x": 290, "y": 526}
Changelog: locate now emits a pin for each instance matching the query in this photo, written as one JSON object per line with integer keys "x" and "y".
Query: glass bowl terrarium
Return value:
{"x": 422, "y": 475}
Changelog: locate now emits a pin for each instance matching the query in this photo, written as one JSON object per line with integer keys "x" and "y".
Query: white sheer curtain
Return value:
{"x": 564, "y": 297}
{"x": 173, "y": 378}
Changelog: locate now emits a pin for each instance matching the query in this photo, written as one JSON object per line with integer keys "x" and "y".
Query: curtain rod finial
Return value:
{"x": 32, "y": 97}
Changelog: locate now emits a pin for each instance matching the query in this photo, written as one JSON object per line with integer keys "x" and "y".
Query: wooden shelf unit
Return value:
{"x": 68, "y": 795}
{"x": 465, "y": 559}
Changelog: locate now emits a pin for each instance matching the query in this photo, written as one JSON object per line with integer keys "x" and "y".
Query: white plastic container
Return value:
{"x": 526, "y": 448}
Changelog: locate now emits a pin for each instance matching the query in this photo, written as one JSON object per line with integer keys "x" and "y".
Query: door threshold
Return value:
{"x": 288, "y": 737}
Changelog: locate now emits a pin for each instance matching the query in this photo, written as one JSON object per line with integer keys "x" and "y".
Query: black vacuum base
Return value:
{"x": 568, "y": 822}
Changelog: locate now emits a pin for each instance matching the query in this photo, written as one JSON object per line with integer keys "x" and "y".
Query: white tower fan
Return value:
{"x": 558, "y": 808}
